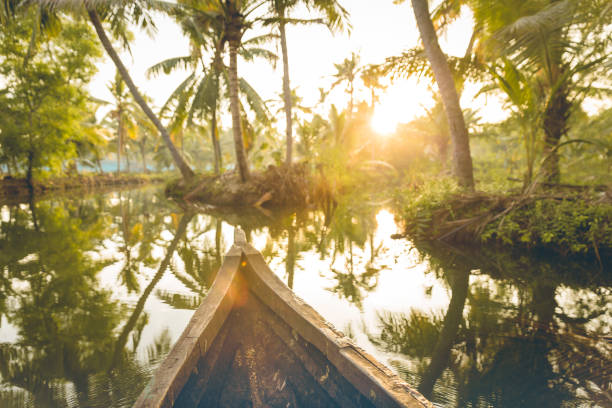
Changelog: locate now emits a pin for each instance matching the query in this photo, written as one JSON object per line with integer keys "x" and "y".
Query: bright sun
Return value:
{"x": 401, "y": 103}
{"x": 383, "y": 121}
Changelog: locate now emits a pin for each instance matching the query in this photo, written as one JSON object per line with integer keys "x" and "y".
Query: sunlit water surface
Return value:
{"x": 95, "y": 291}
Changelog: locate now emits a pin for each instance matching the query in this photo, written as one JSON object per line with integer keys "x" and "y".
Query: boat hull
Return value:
{"x": 253, "y": 343}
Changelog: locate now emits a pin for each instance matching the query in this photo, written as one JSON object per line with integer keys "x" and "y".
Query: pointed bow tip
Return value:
{"x": 239, "y": 237}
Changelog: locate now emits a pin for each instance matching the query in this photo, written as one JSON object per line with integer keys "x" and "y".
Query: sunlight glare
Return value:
{"x": 386, "y": 223}
{"x": 383, "y": 122}
{"x": 401, "y": 103}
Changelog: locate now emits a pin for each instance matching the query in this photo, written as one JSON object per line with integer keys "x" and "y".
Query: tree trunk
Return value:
{"x": 555, "y": 126}
{"x": 241, "y": 161}
{"x": 215, "y": 140}
{"x": 286, "y": 91}
{"x": 143, "y": 156}
{"x": 462, "y": 160}
{"x": 29, "y": 182}
{"x": 186, "y": 172}
{"x": 450, "y": 327}
{"x": 291, "y": 256}
{"x": 99, "y": 164}
{"x": 214, "y": 132}
{"x": 557, "y": 109}
{"x": 119, "y": 139}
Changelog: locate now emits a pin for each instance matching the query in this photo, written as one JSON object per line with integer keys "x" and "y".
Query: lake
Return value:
{"x": 95, "y": 290}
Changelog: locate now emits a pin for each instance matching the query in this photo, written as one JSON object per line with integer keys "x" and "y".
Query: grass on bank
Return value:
{"x": 568, "y": 222}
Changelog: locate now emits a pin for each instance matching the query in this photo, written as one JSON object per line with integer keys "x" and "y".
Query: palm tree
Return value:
{"x": 121, "y": 115}
{"x": 117, "y": 13}
{"x": 231, "y": 19}
{"x": 201, "y": 92}
{"x": 544, "y": 43}
{"x": 462, "y": 160}
{"x": 348, "y": 72}
{"x": 335, "y": 17}
{"x": 561, "y": 46}
{"x": 371, "y": 80}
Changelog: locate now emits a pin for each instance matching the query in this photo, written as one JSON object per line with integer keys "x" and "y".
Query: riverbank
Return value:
{"x": 274, "y": 187}
{"x": 16, "y": 189}
{"x": 566, "y": 222}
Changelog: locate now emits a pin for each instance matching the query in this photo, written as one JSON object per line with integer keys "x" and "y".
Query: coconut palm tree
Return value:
{"x": 371, "y": 80}
{"x": 121, "y": 115}
{"x": 231, "y": 19}
{"x": 117, "y": 14}
{"x": 348, "y": 72}
{"x": 462, "y": 160}
{"x": 563, "y": 46}
{"x": 202, "y": 91}
{"x": 334, "y": 16}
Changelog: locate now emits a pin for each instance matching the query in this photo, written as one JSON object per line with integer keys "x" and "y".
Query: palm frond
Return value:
{"x": 170, "y": 65}
{"x": 249, "y": 54}
{"x": 180, "y": 90}
{"x": 260, "y": 40}
{"x": 256, "y": 103}
{"x": 205, "y": 97}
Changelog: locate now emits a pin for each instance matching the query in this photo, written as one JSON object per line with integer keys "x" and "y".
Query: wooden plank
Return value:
{"x": 244, "y": 273}
{"x": 202, "y": 329}
{"x": 371, "y": 378}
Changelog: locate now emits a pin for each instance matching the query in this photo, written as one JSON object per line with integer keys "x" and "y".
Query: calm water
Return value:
{"x": 95, "y": 290}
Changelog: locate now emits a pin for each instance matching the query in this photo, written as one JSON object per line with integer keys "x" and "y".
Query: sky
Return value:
{"x": 377, "y": 32}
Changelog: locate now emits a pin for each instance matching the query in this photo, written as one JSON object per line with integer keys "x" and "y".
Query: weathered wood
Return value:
{"x": 371, "y": 378}
{"x": 206, "y": 322}
{"x": 253, "y": 341}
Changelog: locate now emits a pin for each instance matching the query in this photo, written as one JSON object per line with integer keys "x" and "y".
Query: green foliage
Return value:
{"x": 38, "y": 129}
{"x": 570, "y": 226}
{"x": 503, "y": 151}
{"x": 415, "y": 334}
{"x": 419, "y": 203}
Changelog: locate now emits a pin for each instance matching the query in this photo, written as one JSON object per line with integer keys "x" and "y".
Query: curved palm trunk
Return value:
{"x": 286, "y": 91}
{"x": 462, "y": 160}
{"x": 131, "y": 323}
{"x": 241, "y": 161}
{"x": 185, "y": 170}
{"x": 450, "y": 327}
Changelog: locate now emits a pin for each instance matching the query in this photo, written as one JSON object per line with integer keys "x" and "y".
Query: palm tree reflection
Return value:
{"x": 504, "y": 340}
{"x": 71, "y": 347}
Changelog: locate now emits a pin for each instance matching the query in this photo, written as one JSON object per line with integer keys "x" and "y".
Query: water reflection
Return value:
{"x": 505, "y": 340}
{"x": 94, "y": 292}
{"x": 74, "y": 341}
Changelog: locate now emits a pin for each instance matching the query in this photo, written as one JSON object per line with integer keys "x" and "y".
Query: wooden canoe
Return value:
{"x": 253, "y": 343}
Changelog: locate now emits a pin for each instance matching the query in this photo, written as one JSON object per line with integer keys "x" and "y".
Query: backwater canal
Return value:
{"x": 95, "y": 290}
